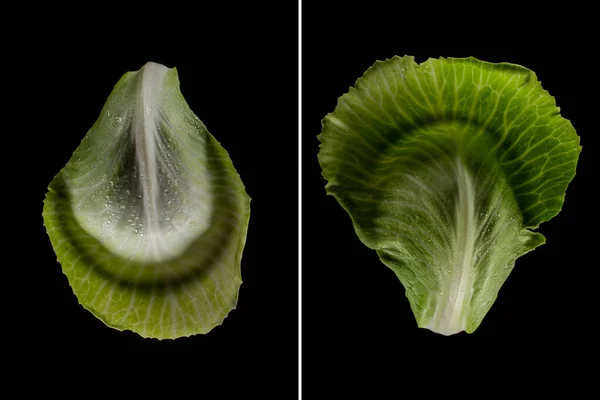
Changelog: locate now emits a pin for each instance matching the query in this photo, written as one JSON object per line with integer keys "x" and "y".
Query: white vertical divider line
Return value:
{"x": 299, "y": 199}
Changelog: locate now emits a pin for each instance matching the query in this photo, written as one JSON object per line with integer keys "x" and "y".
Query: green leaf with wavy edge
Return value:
{"x": 446, "y": 169}
{"x": 149, "y": 217}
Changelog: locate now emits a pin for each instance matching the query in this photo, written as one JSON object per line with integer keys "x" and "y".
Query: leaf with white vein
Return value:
{"x": 446, "y": 169}
{"x": 149, "y": 217}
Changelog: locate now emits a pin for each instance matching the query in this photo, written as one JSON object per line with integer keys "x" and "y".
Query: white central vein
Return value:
{"x": 450, "y": 317}
{"x": 145, "y": 137}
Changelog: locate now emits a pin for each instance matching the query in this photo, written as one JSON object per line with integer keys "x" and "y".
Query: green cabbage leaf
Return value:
{"x": 447, "y": 168}
{"x": 148, "y": 218}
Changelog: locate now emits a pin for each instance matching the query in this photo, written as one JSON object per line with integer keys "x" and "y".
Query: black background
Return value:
{"x": 360, "y": 336}
{"x": 238, "y": 70}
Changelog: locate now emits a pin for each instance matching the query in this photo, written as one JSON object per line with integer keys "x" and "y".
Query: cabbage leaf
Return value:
{"x": 447, "y": 168}
{"x": 148, "y": 218}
